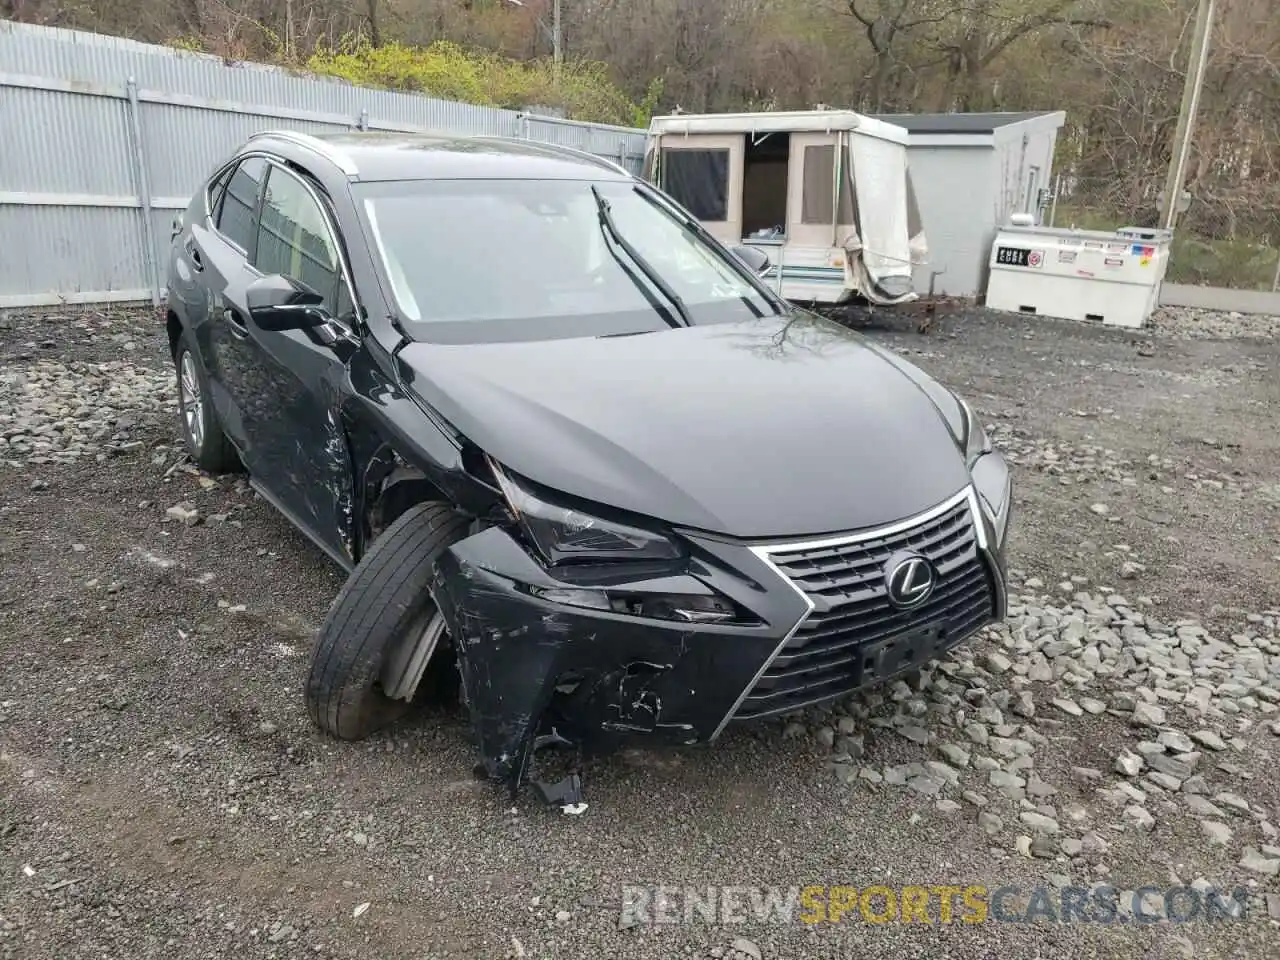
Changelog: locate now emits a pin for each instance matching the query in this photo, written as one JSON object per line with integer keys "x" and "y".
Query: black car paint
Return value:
{"x": 340, "y": 432}
{"x": 663, "y": 425}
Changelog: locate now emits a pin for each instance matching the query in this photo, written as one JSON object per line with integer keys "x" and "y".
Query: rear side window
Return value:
{"x": 217, "y": 190}
{"x": 235, "y": 218}
{"x": 699, "y": 181}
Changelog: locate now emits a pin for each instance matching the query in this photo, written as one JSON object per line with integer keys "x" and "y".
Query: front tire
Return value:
{"x": 202, "y": 433}
{"x": 385, "y": 604}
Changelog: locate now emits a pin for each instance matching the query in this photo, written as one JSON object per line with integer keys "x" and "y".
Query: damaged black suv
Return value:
{"x": 567, "y": 445}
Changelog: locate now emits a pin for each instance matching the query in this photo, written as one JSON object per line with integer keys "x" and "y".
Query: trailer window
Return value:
{"x": 698, "y": 180}
{"x": 819, "y": 168}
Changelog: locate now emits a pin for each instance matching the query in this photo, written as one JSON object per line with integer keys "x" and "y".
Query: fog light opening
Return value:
{"x": 682, "y": 608}
{"x": 573, "y": 597}
{"x": 688, "y": 609}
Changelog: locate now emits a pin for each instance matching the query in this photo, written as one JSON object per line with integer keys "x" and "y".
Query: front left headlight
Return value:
{"x": 561, "y": 534}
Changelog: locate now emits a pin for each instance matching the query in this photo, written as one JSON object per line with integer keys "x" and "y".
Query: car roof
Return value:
{"x": 371, "y": 156}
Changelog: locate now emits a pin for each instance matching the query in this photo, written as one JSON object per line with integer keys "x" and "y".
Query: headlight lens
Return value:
{"x": 991, "y": 478}
{"x": 564, "y": 535}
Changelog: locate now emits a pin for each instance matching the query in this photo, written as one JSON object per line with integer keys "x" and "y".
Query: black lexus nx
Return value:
{"x": 569, "y": 447}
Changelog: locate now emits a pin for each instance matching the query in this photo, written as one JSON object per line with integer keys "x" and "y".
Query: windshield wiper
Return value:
{"x": 701, "y": 232}
{"x": 611, "y": 230}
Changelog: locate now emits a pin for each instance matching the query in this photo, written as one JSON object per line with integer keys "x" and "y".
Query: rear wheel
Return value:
{"x": 207, "y": 445}
{"x": 384, "y": 629}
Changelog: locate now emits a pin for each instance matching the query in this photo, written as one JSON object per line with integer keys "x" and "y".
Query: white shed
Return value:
{"x": 971, "y": 172}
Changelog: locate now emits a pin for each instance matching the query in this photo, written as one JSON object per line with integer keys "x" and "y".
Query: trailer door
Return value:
{"x": 815, "y": 219}
{"x": 703, "y": 173}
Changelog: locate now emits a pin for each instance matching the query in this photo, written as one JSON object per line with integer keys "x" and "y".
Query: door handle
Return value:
{"x": 235, "y": 322}
{"x": 194, "y": 253}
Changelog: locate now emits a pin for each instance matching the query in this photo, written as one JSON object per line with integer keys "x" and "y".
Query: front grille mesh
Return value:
{"x": 829, "y": 654}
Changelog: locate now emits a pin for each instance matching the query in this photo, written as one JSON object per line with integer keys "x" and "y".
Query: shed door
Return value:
{"x": 703, "y": 173}
{"x": 811, "y": 203}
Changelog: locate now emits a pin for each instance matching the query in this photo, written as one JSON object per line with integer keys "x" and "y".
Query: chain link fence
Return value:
{"x": 1231, "y": 241}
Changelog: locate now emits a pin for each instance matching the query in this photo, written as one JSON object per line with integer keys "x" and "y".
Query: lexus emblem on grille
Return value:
{"x": 909, "y": 579}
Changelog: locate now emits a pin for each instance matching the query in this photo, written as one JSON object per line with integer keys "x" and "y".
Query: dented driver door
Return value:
{"x": 298, "y": 455}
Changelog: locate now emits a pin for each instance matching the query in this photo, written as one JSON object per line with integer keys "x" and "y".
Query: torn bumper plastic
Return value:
{"x": 603, "y": 677}
{"x": 628, "y": 675}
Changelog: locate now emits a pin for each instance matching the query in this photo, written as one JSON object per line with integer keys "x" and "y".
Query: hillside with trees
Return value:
{"x": 1116, "y": 68}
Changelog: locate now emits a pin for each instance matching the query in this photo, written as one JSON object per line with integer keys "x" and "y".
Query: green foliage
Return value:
{"x": 1230, "y": 263}
{"x": 1242, "y": 264}
{"x": 188, "y": 43}
{"x": 644, "y": 110}
{"x": 446, "y": 70}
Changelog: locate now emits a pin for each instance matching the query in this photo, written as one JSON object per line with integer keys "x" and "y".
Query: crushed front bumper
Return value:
{"x": 823, "y": 627}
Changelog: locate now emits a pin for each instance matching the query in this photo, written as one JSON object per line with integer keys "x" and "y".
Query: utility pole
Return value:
{"x": 556, "y": 45}
{"x": 1196, "y": 65}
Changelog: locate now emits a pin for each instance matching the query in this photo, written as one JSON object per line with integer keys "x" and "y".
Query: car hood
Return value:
{"x": 784, "y": 426}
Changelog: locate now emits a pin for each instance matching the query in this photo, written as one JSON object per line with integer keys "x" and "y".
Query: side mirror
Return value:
{"x": 281, "y": 303}
{"x": 755, "y": 258}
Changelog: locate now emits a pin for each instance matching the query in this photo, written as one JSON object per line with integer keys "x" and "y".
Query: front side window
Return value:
{"x": 294, "y": 240}
{"x": 819, "y": 172}
{"x": 698, "y": 180}
{"x": 526, "y": 259}
{"x": 235, "y": 217}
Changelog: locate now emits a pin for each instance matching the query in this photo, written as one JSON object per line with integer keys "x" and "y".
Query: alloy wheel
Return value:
{"x": 192, "y": 399}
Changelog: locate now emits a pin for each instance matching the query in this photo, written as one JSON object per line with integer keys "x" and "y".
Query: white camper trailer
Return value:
{"x": 769, "y": 181}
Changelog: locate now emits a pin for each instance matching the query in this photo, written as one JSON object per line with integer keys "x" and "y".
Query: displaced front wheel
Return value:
{"x": 380, "y": 634}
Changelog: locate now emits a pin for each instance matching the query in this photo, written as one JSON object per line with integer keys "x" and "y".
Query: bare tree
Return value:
{"x": 890, "y": 25}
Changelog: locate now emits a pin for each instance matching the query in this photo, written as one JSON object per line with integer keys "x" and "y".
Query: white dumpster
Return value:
{"x": 1112, "y": 278}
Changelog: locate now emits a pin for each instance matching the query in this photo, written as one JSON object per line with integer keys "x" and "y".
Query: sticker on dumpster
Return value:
{"x": 1114, "y": 261}
{"x": 1144, "y": 254}
{"x": 1117, "y": 248}
{"x": 1017, "y": 256}
{"x": 1093, "y": 244}
{"x": 1034, "y": 258}
{"x": 1066, "y": 256}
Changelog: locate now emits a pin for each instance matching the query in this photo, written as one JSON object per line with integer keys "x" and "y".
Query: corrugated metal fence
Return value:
{"x": 102, "y": 139}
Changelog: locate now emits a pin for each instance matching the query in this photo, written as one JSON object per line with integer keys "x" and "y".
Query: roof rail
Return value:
{"x": 570, "y": 151}
{"x": 339, "y": 159}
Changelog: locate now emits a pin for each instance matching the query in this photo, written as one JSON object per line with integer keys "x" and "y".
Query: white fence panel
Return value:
{"x": 104, "y": 138}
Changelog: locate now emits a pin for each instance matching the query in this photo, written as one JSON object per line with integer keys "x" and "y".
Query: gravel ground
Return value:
{"x": 162, "y": 793}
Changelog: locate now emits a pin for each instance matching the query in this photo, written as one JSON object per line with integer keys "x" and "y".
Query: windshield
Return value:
{"x": 480, "y": 260}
